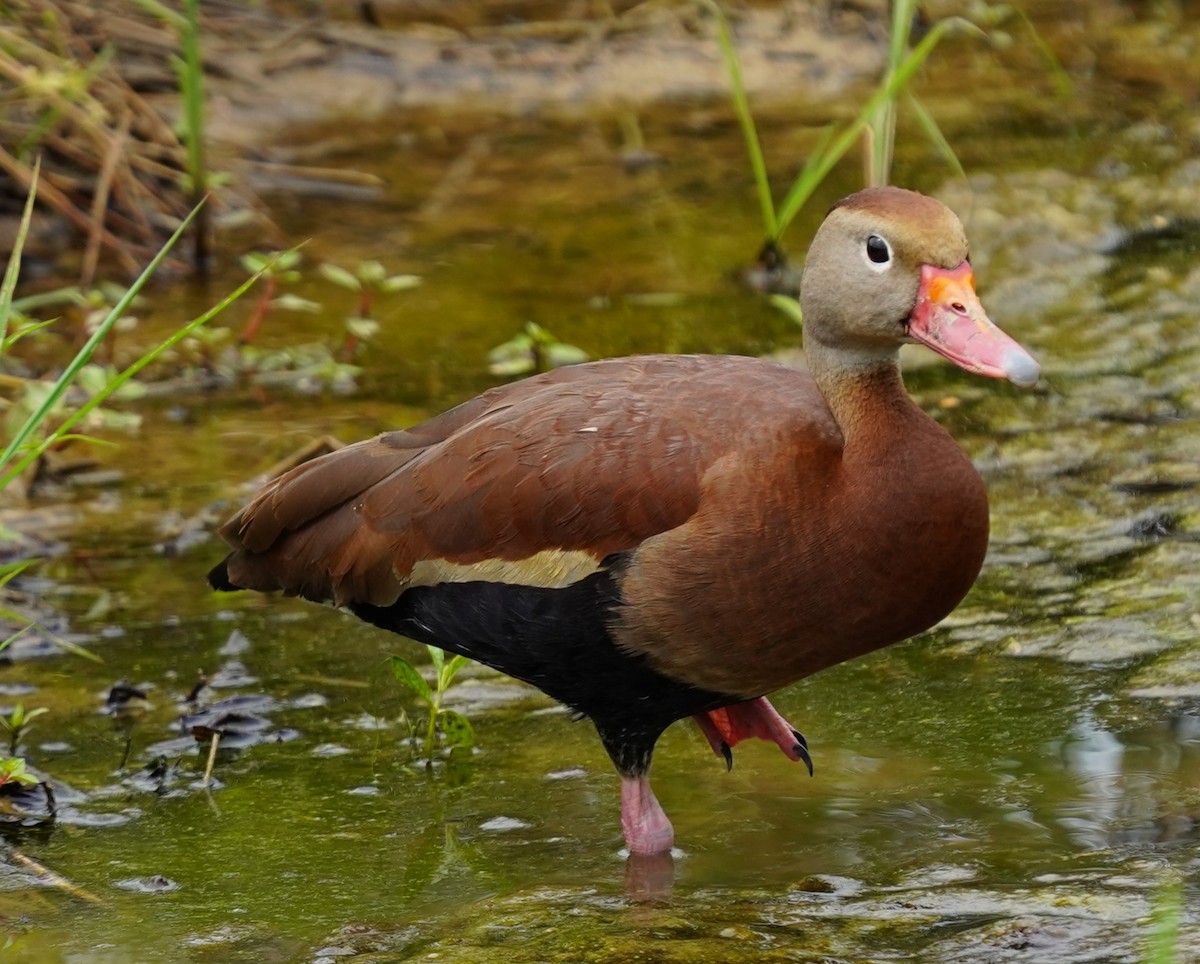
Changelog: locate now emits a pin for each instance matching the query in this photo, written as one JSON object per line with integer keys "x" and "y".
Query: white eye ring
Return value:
{"x": 878, "y": 253}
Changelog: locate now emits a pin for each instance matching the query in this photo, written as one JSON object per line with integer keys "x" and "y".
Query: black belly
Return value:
{"x": 559, "y": 641}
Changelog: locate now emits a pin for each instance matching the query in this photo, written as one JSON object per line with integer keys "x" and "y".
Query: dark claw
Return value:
{"x": 802, "y": 751}
{"x": 728, "y": 754}
{"x": 800, "y": 738}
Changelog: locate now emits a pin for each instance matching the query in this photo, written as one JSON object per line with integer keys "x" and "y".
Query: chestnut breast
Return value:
{"x": 807, "y": 551}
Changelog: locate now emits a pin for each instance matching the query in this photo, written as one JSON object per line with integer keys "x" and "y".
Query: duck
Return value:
{"x": 663, "y": 537}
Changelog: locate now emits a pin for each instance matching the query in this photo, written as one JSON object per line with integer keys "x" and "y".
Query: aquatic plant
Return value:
{"x": 534, "y": 350}
{"x": 189, "y": 67}
{"x": 274, "y": 268}
{"x": 17, "y": 723}
{"x": 13, "y": 770}
{"x": 455, "y": 728}
{"x": 369, "y": 280}
{"x": 47, "y": 423}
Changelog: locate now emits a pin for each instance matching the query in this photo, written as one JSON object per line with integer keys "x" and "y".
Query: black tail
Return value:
{"x": 218, "y": 577}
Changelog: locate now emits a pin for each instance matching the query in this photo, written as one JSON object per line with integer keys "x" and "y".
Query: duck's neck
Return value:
{"x": 864, "y": 392}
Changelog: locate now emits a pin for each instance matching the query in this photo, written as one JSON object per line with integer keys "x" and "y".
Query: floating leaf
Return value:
{"x": 286, "y": 260}
{"x": 254, "y": 262}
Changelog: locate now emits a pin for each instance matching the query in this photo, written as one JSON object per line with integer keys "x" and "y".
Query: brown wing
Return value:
{"x": 590, "y": 460}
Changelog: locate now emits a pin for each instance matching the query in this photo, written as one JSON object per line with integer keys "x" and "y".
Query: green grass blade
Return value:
{"x": 741, "y": 106}
{"x": 117, "y": 381}
{"x": 191, "y": 82}
{"x": 935, "y": 135}
{"x": 881, "y": 144}
{"x": 83, "y": 356}
{"x": 72, "y": 370}
{"x": 809, "y": 179}
{"x": 1063, "y": 85}
{"x": 818, "y": 151}
{"x": 13, "y": 271}
{"x": 789, "y": 306}
{"x": 70, "y": 295}
{"x": 903, "y": 12}
{"x": 10, "y": 570}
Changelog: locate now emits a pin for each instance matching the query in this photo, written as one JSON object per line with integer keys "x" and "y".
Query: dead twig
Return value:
{"x": 91, "y": 254}
{"x": 50, "y": 877}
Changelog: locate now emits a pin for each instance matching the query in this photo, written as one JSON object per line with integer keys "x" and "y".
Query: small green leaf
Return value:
{"x": 255, "y": 262}
{"x": 560, "y": 354}
{"x": 289, "y": 302}
{"x": 340, "y": 277}
{"x": 456, "y": 728}
{"x": 408, "y": 677}
{"x": 93, "y": 378}
{"x": 438, "y": 658}
{"x": 399, "y": 282}
{"x": 514, "y": 357}
{"x": 286, "y": 260}
{"x": 12, "y": 770}
{"x": 371, "y": 273}
{"x": 362, "y": 328}
{"x": 452, "y": 667}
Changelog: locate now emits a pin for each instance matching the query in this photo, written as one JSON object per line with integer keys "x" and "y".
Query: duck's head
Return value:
{"x": 890, "y": 266}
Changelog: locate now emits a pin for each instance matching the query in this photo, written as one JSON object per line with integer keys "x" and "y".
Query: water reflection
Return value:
{"x": 1127, "y": 789}
{"x": 649, "y": 877}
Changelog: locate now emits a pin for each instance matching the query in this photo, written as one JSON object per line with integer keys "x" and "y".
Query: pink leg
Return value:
{"x": 729, "y": 725}
{"x": 647, "y": 829}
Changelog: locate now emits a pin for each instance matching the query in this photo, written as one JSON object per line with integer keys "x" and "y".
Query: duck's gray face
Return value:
{"x": 889, "y": 266}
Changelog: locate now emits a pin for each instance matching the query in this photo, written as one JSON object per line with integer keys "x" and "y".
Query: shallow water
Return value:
{"x": 1018, "y": 784}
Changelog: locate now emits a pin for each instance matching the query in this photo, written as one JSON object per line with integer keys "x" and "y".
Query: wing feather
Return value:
{"x": 595, "y": 458}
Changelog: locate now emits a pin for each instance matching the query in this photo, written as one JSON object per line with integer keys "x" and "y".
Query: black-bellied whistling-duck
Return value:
{"x": 658, "y": 537}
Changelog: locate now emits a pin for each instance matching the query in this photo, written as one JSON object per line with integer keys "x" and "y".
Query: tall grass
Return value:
{"x": 42, "y": 428}
{"x": 190, "y": 68}
{"x": 876, "y": 119}
{"x": 881, "y": 128}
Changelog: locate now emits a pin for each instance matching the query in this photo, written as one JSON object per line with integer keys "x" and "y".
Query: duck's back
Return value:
{"x": 537, "y": 481}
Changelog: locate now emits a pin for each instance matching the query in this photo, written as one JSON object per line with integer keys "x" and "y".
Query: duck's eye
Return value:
{"x": 878, "y": 250}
